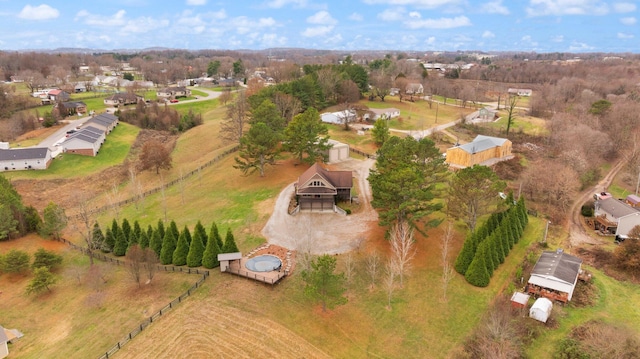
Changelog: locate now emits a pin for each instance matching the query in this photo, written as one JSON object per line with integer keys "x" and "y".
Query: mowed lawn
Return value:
{"x": 66, "y": 165}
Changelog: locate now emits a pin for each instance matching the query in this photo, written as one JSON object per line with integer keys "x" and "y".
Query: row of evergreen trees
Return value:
{"x": 487, "y": 247}
{"x": 170, "y": 245}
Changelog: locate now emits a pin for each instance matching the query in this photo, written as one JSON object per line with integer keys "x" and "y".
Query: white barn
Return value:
{"x": 339, "y": 117}
{"x": 338, "y": 152}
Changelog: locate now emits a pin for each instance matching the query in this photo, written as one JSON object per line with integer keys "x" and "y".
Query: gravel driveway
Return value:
{"x": 324, "y": 233}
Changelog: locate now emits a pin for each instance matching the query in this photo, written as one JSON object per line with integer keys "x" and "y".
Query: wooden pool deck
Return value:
{"x": 238, "y": 268}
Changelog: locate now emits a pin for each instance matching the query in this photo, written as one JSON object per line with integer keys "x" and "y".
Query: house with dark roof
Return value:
{"x": 483, "y": 150}
{"x": 71, "y": 108}
{"x": 123, "y": 98}
{"x": 32, "y": 158}
{"x": 613, "y": 216}
{"x": 555, "y": 276}
{"x": 104, "y": 121}
{"x": 85, "y": 142}
{"x": 319, "y": 189}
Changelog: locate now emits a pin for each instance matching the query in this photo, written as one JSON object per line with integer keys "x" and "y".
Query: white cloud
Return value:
{"x": 442, "y": 23}
{"x": 321, "y": 18}
{"x": 196, "y": 2}
{"x": 488, "y": 34}
{"x": 356, "y": 17}
{"x": 116, "y": 19}
{"x": 317, "y": 31}
{"x": 558, "y": 38}
{"x": 430, "y": 40}
{"x": 143, "y": 25}
{"x": 580, "y": 46}
{"x": 277, "y": 4}
{"x": 427, "y": 4}
{"x": 415, "y": 15}
{"x": 624, "y": 7}
{"x": 628, "y": 20}
{"x": 395, "y": 14}
{"x": 566, "y": 7}
{"x": 270, "y": 40}
{"x": 625, "y": 36}
{"x": 244, "y": 25}
{"x": 495, "y": 7}
{"x": 40, "y": 12}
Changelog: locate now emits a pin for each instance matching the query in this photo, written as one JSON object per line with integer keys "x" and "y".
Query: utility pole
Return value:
{"x": 546, "y": 230}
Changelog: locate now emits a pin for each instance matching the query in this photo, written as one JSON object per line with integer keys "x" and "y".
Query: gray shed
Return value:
{"x": 226, "y": 258}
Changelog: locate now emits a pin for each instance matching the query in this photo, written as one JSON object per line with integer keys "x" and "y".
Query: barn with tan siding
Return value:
{"x": 483, "y": 150}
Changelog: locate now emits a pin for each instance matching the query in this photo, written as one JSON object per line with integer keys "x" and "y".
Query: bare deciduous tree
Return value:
{"x": 150, "y": 265}
{"x": 349, "y": 269}
{"x": 373, "y": 267}
{"x": 402, "y": 248}
{"x": 233, "y": 127}
{"x": 391, "y": 271}
{"x": 135, "y": 261}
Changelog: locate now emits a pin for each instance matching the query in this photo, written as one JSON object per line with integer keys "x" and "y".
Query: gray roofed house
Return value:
{"x": 105, "y": 121}
{"x": 555, "y": 275}
{"x": 37, "y": 158}
{"x": 83, "y": 143}
{"x": 613, "y": 216}
{"x": 318, "y": 188}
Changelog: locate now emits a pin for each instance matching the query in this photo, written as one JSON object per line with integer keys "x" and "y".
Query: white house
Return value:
{"x": 613, "y": 216}
{"x": 520, "y": 92}
{"x": 414, "y": 88}
{"x": 33, "y": 158}
{"x": 338, "y": 118}
{"x": 377, "y": 113}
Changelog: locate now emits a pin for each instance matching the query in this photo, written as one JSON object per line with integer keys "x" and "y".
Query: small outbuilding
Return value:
{"x": 519, "y": 300}
{"x": 541, "y": 310}
{"x": 338, "y": 152}
{"x": 483, "y": 150}
{"x": 225, "y": 259}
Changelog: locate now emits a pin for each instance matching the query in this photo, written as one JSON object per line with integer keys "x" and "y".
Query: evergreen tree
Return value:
{"x": 133, "y": 240}
{"x": 114, "y": 228}
{"x": 120, "y": 248}
{"x": 210, "y": 256}
{"x": 155, "y": 242}
{"x": 215, "y": 234}
{"x": 109, "y": 241}
{"x": 477, "y": 273}
{"x": 196, "y": 249}
{"x": 97, "y": 238}
{"x": 484, "y": 250}
{"x": 149, "y": 231}
{"x": 47, "y": 259}
{"x": 160, "y": 228}
{"x": 182, "y": 249}
{"x": 143, "y": 241}
{"x": 126, "y": 229}
{"x": 174, "y": 228}
{"x": 500, "y": 250}
{"x": 466, "y": 254}
{"x": 168, "y": 247}
{"x": 137, "y": 230}
{"x": 322, "y": 284}
{"x": 199, "y": 228}
{"x": 187, "y": 234}
{"x": 42, "y": 279}
{"x": 230, "y": 243}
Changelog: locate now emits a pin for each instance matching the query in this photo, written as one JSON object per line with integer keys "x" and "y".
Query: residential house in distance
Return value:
{"x": 57, "y": 95}
{"x": 339, "y": 117}
{"x": 414, "y": 88}
{"x": 612, "y": 216}
{"x": 71, "y": 108}
{"x": 555, "y": 276}
{"x": 123, "y": 98}
{"x": 16, "y": 159}
{"x": 376, "y": 113}
{"x": 85, "y": 142}
{"x": 520, "y": 92}
{"x": 319, "y": 189}
{"x": 483, "y": 150}
{"x": 173, "y": 92}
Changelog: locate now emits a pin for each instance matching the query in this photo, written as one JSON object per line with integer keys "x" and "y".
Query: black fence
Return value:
{"x": 167, "y": 268}
{"x": 361, "y": 153}
{"x": 219, "y": 157}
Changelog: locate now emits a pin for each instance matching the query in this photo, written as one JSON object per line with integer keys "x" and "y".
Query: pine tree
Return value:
{"x": 109, "y": 241}
{"x": 230, "y": 243}
{"x": 484, "y": 250}
{"x": 477, "y": 273}
{"x": 196, "y": 249}
{"x": 143, "y": 241}
{"x": 466, "y": 254}
{"x": 155, "y": 242}
{"x": 160, "y": 228}
{"x": 126, "y": 229}
{"x": 133, "y": 239}
{"x": 174, "y": 228}
{"x": 215, "y": 234}
{"x": 210, "y": 256}
{"x": 120, "y": 248}
{"x": 168, "y": 247}
{"x": 97, "y": 238}
{"x": 500, "y": 250}
{"x": 203, "y": 233}
{"x": 114, "y": 228}
{"x": 137, "y": 231}
{"x": 149, "y": 231}
{"x": 187, "y": 234}
{"x": 182, "y": 249}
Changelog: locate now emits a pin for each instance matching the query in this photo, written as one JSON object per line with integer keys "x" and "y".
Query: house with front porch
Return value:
{"x": 613, "y": 216}
{"x": 318, "y": 189}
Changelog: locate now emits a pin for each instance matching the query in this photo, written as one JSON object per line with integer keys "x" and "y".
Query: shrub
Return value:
{"x": 15, "y": 261}
{"x": 47, "y": 259}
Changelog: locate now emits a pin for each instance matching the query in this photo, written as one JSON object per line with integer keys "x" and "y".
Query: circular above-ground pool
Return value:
{"x": 263, "y": 263}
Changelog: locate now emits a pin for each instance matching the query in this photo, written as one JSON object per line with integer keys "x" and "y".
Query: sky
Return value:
{"x": 540, "y": 26}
